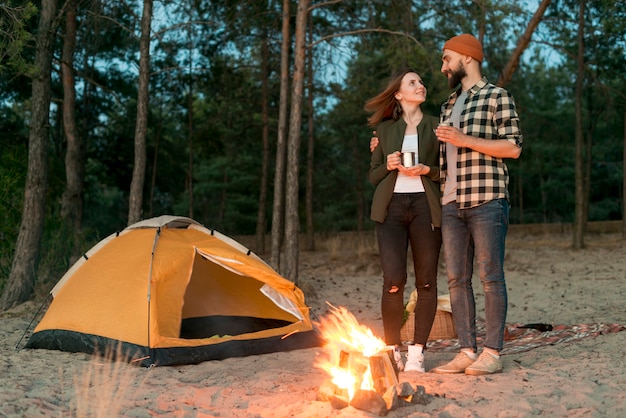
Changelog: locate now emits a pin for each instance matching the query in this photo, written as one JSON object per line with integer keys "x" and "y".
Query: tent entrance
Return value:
{"x": 220, "y": 302}
{"x": 220, "y": 326}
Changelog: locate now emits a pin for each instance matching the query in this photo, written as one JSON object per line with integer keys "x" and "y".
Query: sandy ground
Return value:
{"x": 547, "y": 282}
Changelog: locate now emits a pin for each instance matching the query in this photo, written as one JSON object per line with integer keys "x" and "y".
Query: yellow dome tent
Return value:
{"x": 169, "y": 291}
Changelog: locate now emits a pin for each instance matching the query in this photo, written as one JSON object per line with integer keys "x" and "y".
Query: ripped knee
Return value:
{"x": 394, "y": 289}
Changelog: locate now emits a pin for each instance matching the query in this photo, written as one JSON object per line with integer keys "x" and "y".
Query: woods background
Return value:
{"x": 248, "y": 116}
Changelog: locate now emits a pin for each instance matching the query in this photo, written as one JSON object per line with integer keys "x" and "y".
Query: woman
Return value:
{"x": 406, "y": 206}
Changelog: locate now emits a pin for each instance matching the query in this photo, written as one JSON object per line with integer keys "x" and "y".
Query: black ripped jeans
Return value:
{"x": 408, "y": 221}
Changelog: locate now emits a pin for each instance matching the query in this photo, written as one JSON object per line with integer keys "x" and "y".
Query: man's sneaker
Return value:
{"x": 486, "y": 364}
{"x": 458, "y": 365}
{"x": 415, "y": 359}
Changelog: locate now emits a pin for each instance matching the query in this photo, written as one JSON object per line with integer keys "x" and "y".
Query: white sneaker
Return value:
{"x": 415, "y": 359}
{"x": 397, "y": 357}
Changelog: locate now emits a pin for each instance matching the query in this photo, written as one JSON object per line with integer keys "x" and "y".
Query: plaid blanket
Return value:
{"x": 519, "y": 339}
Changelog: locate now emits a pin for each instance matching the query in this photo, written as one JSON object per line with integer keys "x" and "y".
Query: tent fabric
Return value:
{"x": 169, "y": 291}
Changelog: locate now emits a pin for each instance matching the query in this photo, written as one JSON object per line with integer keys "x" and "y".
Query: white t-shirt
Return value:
{"x": 450, "y": 186}
{"x": 404, "y": 183}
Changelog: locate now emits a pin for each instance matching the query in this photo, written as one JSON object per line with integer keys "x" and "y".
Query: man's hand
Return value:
{"x": 373, "y": 141}
{"x": 451, "y": 135}
{"x": 498, "y": 148}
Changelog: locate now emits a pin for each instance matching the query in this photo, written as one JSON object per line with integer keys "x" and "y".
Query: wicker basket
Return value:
{"x": 443, "y": 327}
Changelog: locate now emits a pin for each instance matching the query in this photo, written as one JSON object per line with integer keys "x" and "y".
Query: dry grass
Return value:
{"x": 360, "y": 243}
{"x": 103, "y": 385}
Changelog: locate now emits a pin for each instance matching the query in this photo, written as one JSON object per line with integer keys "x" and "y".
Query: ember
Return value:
{"x": 362, "y": 369}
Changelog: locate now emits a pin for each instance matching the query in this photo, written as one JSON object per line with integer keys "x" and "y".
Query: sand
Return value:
{"x": 547, "y": 282}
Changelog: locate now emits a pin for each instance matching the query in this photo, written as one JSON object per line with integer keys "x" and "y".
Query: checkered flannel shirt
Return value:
{"x": 489, "y": 113}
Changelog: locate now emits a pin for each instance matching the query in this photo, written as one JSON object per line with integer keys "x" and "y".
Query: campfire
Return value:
{"x": 361, "y": 368}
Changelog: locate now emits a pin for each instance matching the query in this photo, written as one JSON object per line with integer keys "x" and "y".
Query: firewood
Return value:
{"x": 370, "y": 401}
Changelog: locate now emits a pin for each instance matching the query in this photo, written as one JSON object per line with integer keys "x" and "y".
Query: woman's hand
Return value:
{"x": 415, "y": 171}
{"x": 393, "y": 161}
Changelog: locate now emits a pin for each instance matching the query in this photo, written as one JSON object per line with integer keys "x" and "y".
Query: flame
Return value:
{"x": 343, "y": 335}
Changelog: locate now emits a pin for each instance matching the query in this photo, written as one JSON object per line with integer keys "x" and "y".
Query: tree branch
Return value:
{"x": 324, "y": 4}
{"x": 522, "y": 44}
{"x": 360, "y": 31}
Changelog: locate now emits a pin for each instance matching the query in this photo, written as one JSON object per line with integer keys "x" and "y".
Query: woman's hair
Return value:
{"x": 385, "y": 105}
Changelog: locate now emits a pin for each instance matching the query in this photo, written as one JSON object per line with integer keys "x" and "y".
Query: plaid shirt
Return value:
{"x": 489, "y": 113}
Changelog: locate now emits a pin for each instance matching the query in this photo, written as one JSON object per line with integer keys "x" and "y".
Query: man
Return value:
{"x": 479, "y": 127}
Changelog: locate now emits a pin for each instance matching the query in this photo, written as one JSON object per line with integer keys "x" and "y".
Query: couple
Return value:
{"x": 455, "y": 193}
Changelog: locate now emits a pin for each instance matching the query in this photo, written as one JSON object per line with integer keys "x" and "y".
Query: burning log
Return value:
{"x": 384, "y": 371}
{"x": 354, "y": 364}
{"x": 370, "y": 401}
{"x": 419, "y": 397}
{"x": 392, "y": 400}
{"x": 377, "y": 372}
{"x": 339, "y": 402}
{"x": 327, "y": 390}
{"x": 362, "y": 369}
{"x": 397, "y": 396}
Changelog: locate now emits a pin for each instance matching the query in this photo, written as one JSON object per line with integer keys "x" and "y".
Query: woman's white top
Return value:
{"x": 404, "y": 183}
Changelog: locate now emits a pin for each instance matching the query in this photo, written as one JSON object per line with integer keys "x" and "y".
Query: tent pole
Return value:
{"x": 154, "y": 245}
{"x": 32, "y": 320}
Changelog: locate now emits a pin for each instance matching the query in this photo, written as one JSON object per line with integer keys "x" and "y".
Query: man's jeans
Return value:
{"x": 479, "y": 231}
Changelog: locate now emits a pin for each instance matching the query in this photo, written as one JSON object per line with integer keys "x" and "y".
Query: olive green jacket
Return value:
{"x": 390, "y": 136}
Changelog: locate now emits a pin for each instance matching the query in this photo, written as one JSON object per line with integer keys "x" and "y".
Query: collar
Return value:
{"x": 472, "y": 90}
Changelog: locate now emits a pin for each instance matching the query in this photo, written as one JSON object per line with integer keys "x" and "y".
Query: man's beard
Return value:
{"x": 456, "y": 76}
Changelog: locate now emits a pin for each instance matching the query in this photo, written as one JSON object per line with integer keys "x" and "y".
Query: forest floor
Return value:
{"x": 547, "y": 281}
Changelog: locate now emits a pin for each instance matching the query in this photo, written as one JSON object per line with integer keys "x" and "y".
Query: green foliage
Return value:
{"x": 226, "y": 194}
{"x": 545, "y": 168}
{"x": 14, "y": 36}
{"x": 205, "y": 124}
{"x": 58, "y": 253}
{"x": 13, "y": 154}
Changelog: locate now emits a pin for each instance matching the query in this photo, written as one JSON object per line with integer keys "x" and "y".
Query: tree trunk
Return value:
{"x": 292, "y": 219}
{"x": 624, "y": 181}
{"x": 21, "y": 281}
{"x": 260, "y": 223}
{"x": 520, "y": 193}
{"x": 190, "y": 142}
{"x": 279, "y": 176}
{"x": 360, "y": 192}
{"x": 310, "y": 164}
{"x": 522, "y": 44}
{"x": 587, "y": 144}
{"x": 139, "y": 168}
{"x": 579, "y": 221}
{"x": 72, "y": 199}
{"x": 155, "y": 161}
{"x": 544, "y": 200}
{"x": 587, "y": 154}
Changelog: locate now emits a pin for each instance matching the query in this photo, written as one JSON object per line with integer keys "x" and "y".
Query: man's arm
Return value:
{"x": 498, "y": 148}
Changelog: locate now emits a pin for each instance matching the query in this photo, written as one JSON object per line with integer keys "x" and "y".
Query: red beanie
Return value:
{"x": 465, "y": 44}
